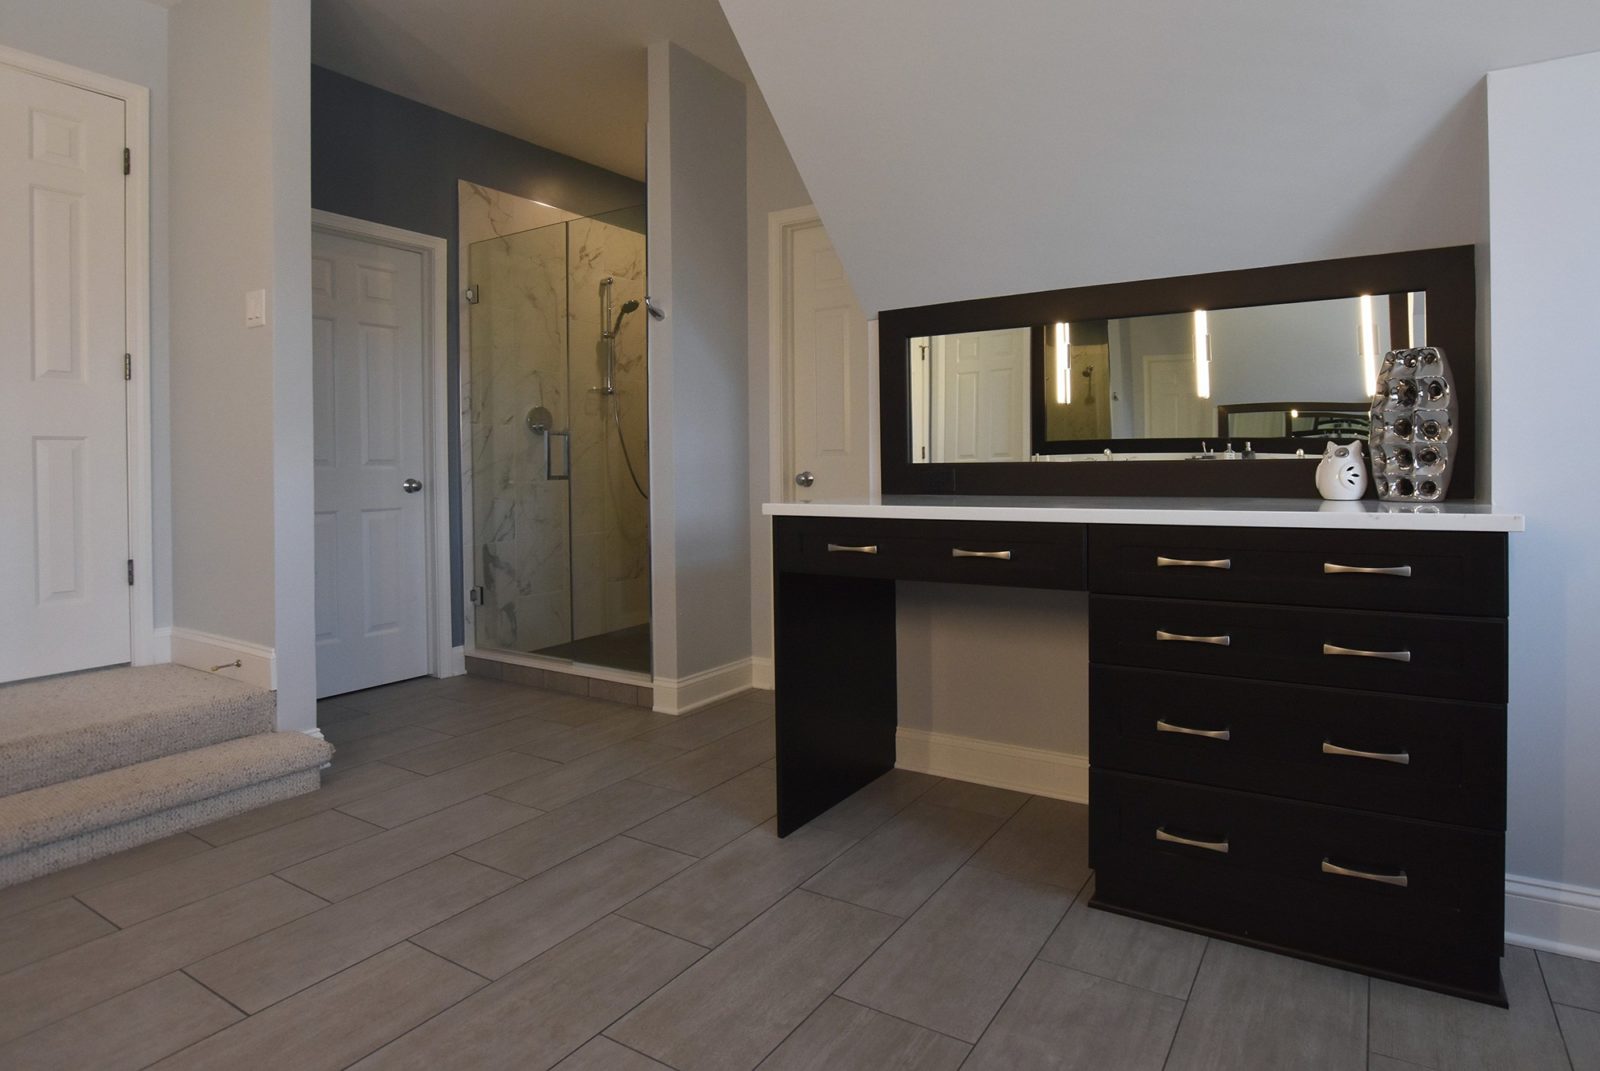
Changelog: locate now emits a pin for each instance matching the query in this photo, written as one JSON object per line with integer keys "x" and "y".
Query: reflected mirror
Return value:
{"x": 1274, "y": 374}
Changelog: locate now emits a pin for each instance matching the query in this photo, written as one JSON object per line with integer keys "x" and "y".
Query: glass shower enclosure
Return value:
{"x": 559, "y": 466}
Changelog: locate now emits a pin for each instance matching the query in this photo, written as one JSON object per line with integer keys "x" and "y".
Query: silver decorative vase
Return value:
{"x": 1412, "y": 441}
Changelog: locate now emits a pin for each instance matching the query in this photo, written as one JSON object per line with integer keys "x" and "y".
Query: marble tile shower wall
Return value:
{"x": 520, "y": 516}
{"x": 610, "y": 518}
{"x": 557, "y": 560}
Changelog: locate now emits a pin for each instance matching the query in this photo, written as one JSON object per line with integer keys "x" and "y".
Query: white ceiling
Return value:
{"x": 565, "y": 74}
{"x": 960, "y": 149}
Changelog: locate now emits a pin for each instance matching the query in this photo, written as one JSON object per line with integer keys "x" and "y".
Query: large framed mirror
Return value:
{"x": 1170, "y": 380}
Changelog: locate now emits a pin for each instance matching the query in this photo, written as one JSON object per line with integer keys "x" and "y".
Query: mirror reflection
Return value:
{"x": 1275, "y": 373}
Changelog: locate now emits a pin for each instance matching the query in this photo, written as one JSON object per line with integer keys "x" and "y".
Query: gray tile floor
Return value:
{"x": 497, "y": 877}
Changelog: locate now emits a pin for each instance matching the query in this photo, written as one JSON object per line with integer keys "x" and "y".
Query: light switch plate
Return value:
{"x": 255, "y": 308}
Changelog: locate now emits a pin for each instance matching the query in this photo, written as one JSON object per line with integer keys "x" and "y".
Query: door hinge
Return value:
{"x": 130, "y": 572}
{"x": 127, "y": 161}
{"x": 472, "y": 295}
{"x": 127, "y": 366}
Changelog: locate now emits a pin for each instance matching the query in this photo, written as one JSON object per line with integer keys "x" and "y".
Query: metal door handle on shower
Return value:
{"x": 566, "y": 455}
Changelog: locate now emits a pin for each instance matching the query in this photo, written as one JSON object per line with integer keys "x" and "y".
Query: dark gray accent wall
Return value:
{"x": 381, "y": 157}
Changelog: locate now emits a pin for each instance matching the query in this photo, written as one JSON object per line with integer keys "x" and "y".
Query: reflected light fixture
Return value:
{"x": 1369, "y": 346}
{"x": 1063, "y": 364}
{"x": 1202, "y": 355}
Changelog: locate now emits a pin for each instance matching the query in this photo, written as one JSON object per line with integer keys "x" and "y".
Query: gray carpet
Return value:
{"x": 60, "y": 728}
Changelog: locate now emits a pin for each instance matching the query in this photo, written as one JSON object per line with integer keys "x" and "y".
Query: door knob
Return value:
{"x": 805, "y": 479}
{"x": 411, "y": 487}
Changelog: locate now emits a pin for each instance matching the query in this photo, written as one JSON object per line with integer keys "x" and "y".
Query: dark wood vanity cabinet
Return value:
{"x": 1298, "y": 738}
{"x": 1297, "y": 735}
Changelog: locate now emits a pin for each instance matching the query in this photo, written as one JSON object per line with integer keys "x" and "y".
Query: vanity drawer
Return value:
{"x": 1411, "y": 654}
{"x": 962, "y": 552}
{"x": 1304, "y": 877}
{"x": 1415, "y": 572}
{"x": 1436, "y": 759}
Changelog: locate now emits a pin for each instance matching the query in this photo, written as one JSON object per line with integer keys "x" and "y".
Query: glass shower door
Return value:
{"x": 520, "y": 419}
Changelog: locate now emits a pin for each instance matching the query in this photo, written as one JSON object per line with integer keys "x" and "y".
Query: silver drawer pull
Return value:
{"x": 1369, "y": 570}
{"x": 836, "y": 548}
{"x": 1402, "y": 758}
{"x": 1215, "y": 563}
{"x": 999, "y": 555}
{"x": 1352, "y": 652}
{"x": 1365, "y": 875}
{"x": 1220, "y": 846}
{"x": 1178, "y": 637}
{"x": 1163, "y": 726}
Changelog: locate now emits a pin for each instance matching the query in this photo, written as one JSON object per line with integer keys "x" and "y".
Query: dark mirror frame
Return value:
{"x": 1448, "y": 276}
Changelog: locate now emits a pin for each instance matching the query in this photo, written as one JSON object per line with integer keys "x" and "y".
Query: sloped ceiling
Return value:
{"x": 566, "y": 75}
{"x": 959, "y": 149}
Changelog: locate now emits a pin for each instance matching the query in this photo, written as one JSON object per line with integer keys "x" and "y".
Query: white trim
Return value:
{"x": 202, "y": 650}
{"x": 143, "y": 646}
{"x": 1553, "y": 917}
{"x": 1022, "y": 769}
{"x": 763, "y": 673}
{"x": 685, "y": 694}
{"x": 444, "y": 658}
{"x": 314, "y": 732}
{"x": 160, "y": 646}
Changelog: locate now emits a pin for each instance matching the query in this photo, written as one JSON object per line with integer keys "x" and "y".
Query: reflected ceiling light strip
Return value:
{"x": 1369, "y": 346}
{"x": 1411, "y": 320}
{"x": 1202, "y": 355}
{"x": 1063, "y": 364}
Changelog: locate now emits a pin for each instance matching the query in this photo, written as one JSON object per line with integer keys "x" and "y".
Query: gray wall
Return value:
{"x": 961, "y": 150}
{"x": 124, "y": 39}
{"x": 381, "y": 157}
{"x": 241, "y": 397}
{"x": 1545, "y": 249}
{"x": 699, "y": 367}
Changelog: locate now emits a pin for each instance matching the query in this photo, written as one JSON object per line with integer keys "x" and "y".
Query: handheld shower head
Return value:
{"x": 627, "y": 307}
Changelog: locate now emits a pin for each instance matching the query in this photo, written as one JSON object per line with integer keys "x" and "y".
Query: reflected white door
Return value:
{"x": 825, "y": 336}
{"x": 64, "y": 570}
{"x": 1171, "y": 409}
{"x": 980, "y": 399}
{"x": 370, "y": 440}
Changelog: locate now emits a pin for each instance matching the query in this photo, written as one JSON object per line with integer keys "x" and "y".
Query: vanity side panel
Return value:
{"x": 835, "y": 675}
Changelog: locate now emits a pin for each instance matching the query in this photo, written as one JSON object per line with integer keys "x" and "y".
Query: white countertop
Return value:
{"x": 1216, "y": 512}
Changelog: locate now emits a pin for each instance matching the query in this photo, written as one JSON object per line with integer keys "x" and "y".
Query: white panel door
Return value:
{"x": 1171, "y": 408}
{"x": 826, "y": 337}
{"x": 981, "y": 396}
{"x": 64, "y": 595}
{"x": 370, "y": 439}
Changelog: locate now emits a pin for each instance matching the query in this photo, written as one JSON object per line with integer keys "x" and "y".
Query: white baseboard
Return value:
{"x": 685, "y": 694}
{"x": 1553, "y": 917}
{"x": 1022, "y": 769}
{"x": 762, "y": 674}
{"x": 160, "y": 646}
{"x": 258, "y": 665}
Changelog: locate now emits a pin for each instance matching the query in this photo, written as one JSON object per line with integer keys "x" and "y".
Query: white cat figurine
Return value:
{"x": 1342, "y": 473}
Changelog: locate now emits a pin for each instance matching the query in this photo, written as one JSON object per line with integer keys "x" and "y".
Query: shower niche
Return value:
{"x": 556, "y": 410}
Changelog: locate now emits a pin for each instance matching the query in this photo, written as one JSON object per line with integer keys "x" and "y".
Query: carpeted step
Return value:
{"x": 59, "y": 825}
{"x": 63, "y": 728}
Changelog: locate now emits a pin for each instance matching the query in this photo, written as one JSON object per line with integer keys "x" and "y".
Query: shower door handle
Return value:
{"x": 566, "y": 455}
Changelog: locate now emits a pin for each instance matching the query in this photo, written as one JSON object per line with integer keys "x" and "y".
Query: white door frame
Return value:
{"x": 143, "y": 645}
{"x": 444, "y": 659}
